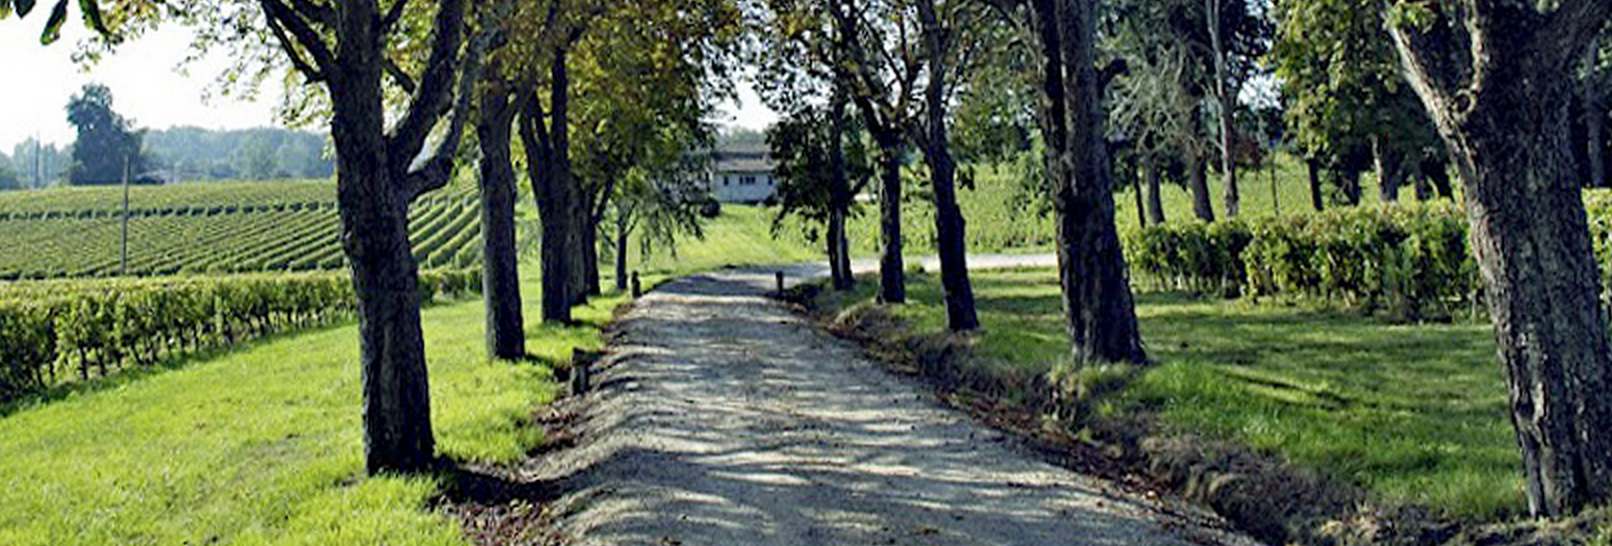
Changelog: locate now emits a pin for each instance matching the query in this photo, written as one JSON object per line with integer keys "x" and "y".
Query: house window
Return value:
{"x": 747, "y": 181}
{"x": 724, "y": 180}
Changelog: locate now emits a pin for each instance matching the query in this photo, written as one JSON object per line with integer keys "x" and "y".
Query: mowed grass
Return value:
{"x": 741, "y": 235}
{"x": 1416, "y": 413}
{"x": 264, "y": 445}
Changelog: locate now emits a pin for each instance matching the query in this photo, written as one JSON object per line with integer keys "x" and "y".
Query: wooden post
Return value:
{"x": 123, "y": 255}
{"x": 637, "y": 289}
{"x": 780, "y": 276}
{"x": 581, "y": 371}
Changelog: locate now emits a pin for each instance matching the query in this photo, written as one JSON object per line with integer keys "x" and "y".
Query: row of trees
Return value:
{"x": 1486, "y": 86}
{"x": 1494, "y": 78}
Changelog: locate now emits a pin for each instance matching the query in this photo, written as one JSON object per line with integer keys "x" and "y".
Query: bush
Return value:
{"x": 79, "y": 327}
{"x": 1409, "y": 259}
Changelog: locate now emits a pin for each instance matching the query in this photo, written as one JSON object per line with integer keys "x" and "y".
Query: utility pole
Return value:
{"x": 123, "y": 259}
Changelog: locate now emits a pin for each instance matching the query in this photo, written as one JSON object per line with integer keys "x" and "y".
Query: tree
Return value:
{"x": 1099, "y": 312}
{"x": 941, "y": 49}
{"x": 500, "y": 269}
{"x": 8, "y": 175}
{"x": 815, "y": 177}
{"x": 344, "y": 46}
{"x": 1496, "y": 77}
{"x": 878, "y": 62}
{"x": 107, "y": 148}
{"x": 1345, "y": 94}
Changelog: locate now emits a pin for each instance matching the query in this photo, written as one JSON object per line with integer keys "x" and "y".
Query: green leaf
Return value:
{"x": 23, "y": 7}
{"x": 53, "y": 26}
{"x": 5, "y": 9}
{"x": 92, "y": 13}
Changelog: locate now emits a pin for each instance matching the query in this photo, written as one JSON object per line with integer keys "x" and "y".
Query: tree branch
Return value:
{"x": 435, "y": 172}
{"x": 434, "y": 96}
{"x": 320, "y": 14}
{"x": 393, "y": 15}
{"x": 399, "y": 76}
{"x": 283, "y": 19}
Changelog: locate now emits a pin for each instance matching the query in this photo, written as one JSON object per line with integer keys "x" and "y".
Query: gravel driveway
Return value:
{"x": 722, "y": 418}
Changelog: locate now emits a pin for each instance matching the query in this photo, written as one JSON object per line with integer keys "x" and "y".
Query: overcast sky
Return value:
{"x": 147, "y": 87}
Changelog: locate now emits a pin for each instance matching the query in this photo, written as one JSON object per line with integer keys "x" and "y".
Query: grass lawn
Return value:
{"x": 264, "y": 445}
{"x": 1413, "y": 412}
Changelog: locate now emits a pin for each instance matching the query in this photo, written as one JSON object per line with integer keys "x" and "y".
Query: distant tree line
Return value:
{"x": 192, "y": 153}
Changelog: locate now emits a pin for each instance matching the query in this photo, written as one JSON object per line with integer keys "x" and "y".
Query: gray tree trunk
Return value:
{"x": 1510, "y": 144}
{"x": 1228, "y": 112}
{"x": 950, "y": 227}
{"x": 1155, "y": 202}
{"x": 892, "y": 276}
{"x": 1099, "y": 313}
{"x": 1386, "y": 162}
{"x": 501, "y": 286}
{"x": 1312, "y": 167}
{"x": 839, "y": 252}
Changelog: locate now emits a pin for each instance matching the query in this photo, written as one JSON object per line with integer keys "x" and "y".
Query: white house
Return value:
{"x": 742, "y": 174}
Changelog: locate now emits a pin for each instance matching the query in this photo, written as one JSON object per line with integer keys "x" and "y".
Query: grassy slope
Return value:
{"x": 1414, "y": 412}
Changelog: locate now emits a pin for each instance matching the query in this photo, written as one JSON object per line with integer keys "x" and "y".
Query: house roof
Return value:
{"x": 744, "y": 165}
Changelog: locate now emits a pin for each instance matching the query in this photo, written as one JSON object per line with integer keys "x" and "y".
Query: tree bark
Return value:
{"x": 1595, "y": 143}
{"x": 1228, "y": 113}
{"x": 892, "y": 275}
{"x": 1511, "y": 145}
{"x": 950, "y": 227}
{"x": 1198, "y": 182}
{"x": 1385, "y": 161}
{"x": 1136, "y": 184}
{"x": 1155, "y": 202}
{"x": 1313, "y": 168}
{"x": 590, "y": 258}
{"x": 1348, "y": 181}
{"x": 501, "y": 286}
{"x": 553, "y": 191}
{"x": 1098, "y": 309}
{"x": 623, "y": 223}
{"x": 374, "y": 203}
{"x": 839, "y": 252}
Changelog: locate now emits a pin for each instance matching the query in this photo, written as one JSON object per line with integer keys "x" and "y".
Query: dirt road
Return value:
{"x": 724, "y": 419}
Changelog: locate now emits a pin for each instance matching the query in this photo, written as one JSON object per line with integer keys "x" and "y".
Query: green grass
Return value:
{"x": 264, "y": 445}
{"x": 740, "y": 235}
{"x": 1413, "y": 412}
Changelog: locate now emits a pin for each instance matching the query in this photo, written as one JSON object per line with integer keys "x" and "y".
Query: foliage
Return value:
{"x": 108, "y": 147}
{"x": 50, "y": 329}
{"x": 255, "y": 154}
{"x": 802, "y": 146}
{"x": 38, "y": 165}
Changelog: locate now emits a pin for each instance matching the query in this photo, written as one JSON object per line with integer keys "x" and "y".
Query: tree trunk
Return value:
{"x": 1594, "y": 128}
{"x": 1511, "y": 146}
{"x": 500, "y": 277}
{"x": 590, "y": 257}
{"x": 1198, "y": 182}
{"x": 1385, "y": 161}
{"x": 552, "y": 190}
{"x": 1136, "y": 184}
{"x": 1155, "y": 203}
{"x": 839, "y": 252}
{"x": 375, "y": 237}
{"x": 1099, "y": 313}
{"x": 892, "y": 277}
{"x": 578, "y": 237}
{"x": 950, "y": 227}
{"x": 1313, "y": 167}
{"x": 1228, "y": 112}
{"x": 623, "y": 222}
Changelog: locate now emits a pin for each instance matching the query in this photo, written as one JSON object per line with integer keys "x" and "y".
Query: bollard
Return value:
{"x": 581, "y": 371}
{"x": 780, "y": 276}
{"x": 637, "y": 289}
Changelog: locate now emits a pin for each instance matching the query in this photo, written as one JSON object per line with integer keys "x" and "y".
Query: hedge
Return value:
{"x": 52, "y": 331}
{"x": 1411, "y": 259}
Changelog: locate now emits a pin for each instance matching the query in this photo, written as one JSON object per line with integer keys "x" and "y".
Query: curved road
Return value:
{"x": 722, "y": 418}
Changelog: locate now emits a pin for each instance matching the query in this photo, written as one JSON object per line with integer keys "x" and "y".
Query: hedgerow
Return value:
{"x": 54, "y": 331}
{"x": 1409, "y": 259}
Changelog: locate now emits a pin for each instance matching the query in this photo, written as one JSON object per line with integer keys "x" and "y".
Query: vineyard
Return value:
{"x": 210, "y": 228}
{"x": 53, "y": 332}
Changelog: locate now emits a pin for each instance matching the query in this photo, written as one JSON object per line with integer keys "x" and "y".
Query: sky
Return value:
{"x": 148, "y": 88}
